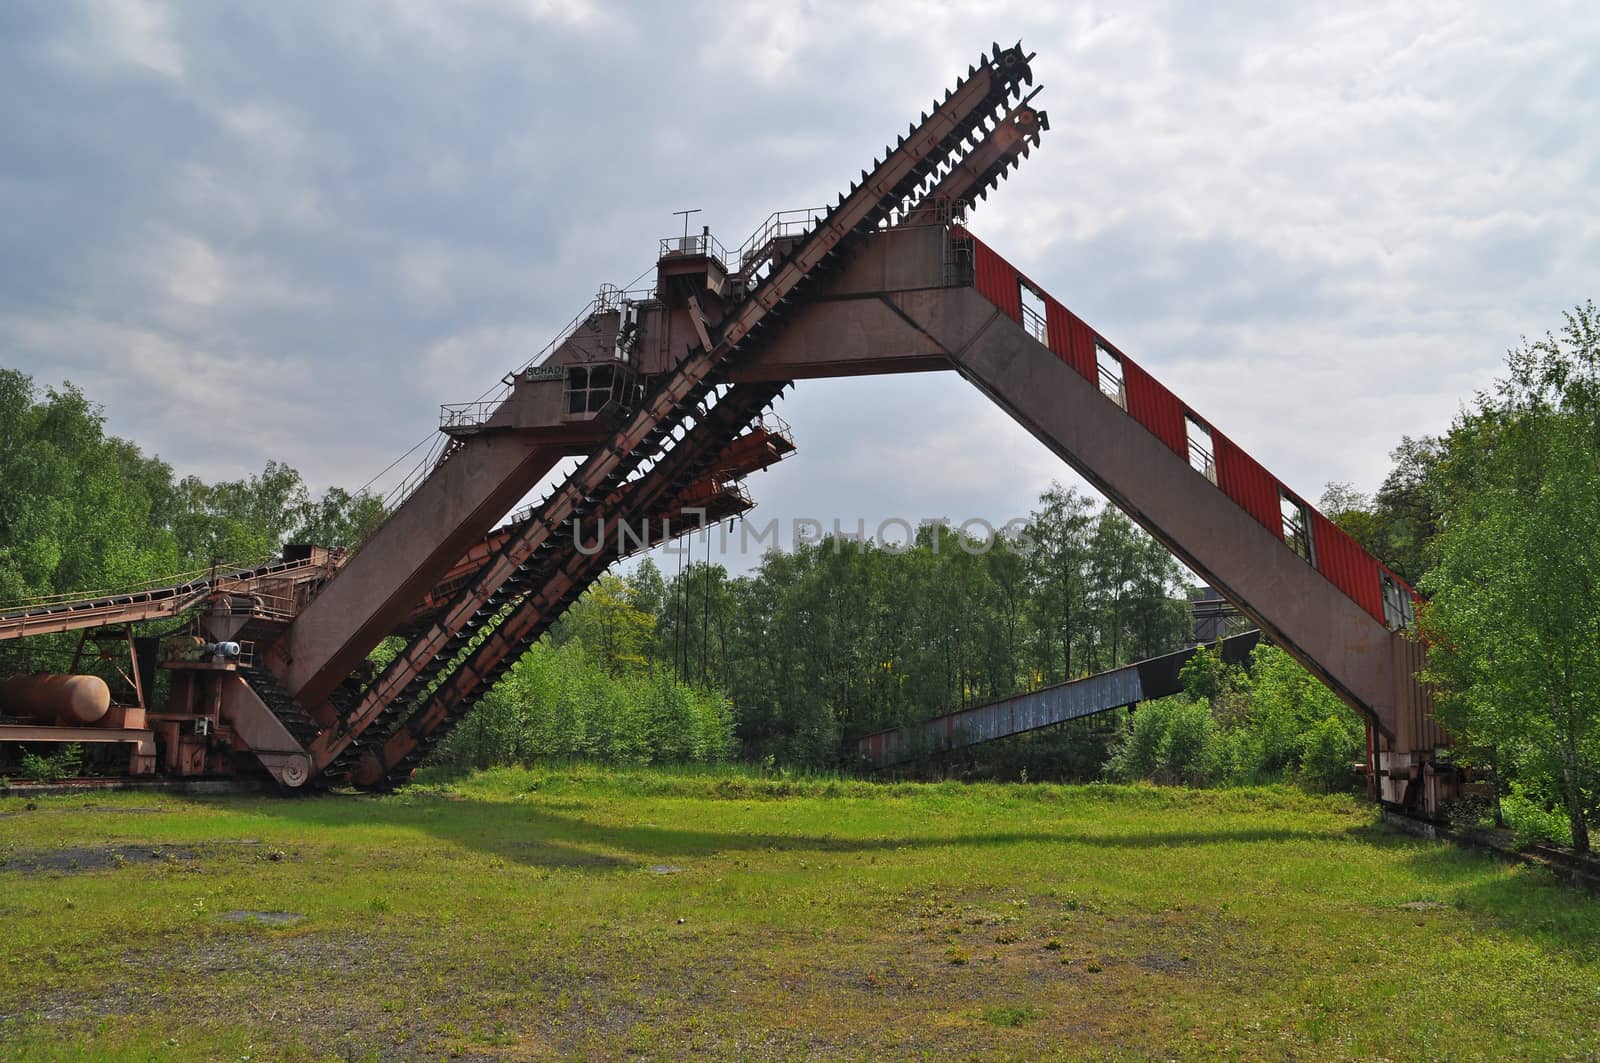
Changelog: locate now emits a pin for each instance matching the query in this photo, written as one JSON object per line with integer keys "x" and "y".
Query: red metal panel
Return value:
{"x": 1153, "y": 406}
{"x": 1340, "y": 558}
{"x": 1082, "y": 339}
{"x": 996, "y": 280}
{"x": 1058, "y": 329}
{"x": 1070, "y": 338}
{"x": 1346, "y": 565}
{"x": 1245, "y": 481}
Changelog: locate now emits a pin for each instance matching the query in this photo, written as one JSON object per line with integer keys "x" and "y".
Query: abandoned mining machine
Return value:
{"x": 663, "y": 396}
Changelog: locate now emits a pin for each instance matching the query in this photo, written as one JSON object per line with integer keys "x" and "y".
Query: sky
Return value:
{"x": 289, "y": 231}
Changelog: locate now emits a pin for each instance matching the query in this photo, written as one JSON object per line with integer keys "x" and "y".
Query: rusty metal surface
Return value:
{"x": 377, "y": 761}
{"x": 880, "y": 282}
{"x": 141, "y": 757}
{"x": 78, "y": 612}
{"x": 456, "y": 506}
{"x": 71, "y": 700}
{"x": 686, "y": 289}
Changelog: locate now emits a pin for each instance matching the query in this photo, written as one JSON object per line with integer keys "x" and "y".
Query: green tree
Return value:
{"x": 611, "y": 629}
{"x": 339, "y": 519}
{"x": 1514, "y": 616}
{"x": 1058, "y": 536}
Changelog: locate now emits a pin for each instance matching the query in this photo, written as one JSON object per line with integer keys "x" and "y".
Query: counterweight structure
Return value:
{"x": 663, "y": 396}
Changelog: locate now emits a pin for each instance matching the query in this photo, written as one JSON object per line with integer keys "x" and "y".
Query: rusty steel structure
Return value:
{"x": 663, "y": 396}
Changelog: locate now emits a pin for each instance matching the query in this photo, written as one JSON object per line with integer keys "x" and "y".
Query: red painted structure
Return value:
{"x": 1343, "y": 561}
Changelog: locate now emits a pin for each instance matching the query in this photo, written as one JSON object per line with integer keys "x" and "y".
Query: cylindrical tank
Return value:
{"x": 68, "y": 700}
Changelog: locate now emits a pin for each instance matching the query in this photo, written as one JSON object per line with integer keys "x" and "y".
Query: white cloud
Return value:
{"x": 195, "y": 273}
{"x": 1322, "y": 226}
{"x": 125, "y": 33}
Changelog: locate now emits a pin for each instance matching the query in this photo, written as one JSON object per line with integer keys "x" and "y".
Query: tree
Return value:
{"x": 339, "y": 519}
{"x": 609, "y": 627}
{"x": 1355, "y": 514}
{"x": 1514, "y": 616}
{"x": 1057, "y": 554}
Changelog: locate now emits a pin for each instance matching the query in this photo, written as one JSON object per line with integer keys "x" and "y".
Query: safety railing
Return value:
{"x": 273, "y": 601}
{"x": 694, "y": 245}
{"x": 774, "y": 425}
{"x": 177, "y": 579}
{"x": 64, "y": 613}
{"x": 1035, "y": 323}
{"x": 195, "y": 579}
{"x": 781, "y": 223}
{"x": 1112, "y": 387}
{"x": 1202, "y": 460}
{"x": 438, "y": 451}
{"x": 466, "y": 414}
{"x": 757, "y": 251}
{"x": 19, "y": 624}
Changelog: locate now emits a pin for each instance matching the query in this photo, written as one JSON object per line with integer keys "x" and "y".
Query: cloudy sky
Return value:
{"x": 288, "y": 231}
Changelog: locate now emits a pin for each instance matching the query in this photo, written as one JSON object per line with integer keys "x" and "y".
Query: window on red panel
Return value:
{"x": 1202, "y": 452}
{"x": 1110, "y": 367}
{"x": 1398, "y": 609}
{"x": 1296, "y": 526}
{"x": 1033, "y": 311}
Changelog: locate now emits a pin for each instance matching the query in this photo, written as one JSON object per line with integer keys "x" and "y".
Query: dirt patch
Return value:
{"x": 1164, "y": 964}
{"x": 30, "y": 809}
{"x": 75, "y": 859}
{"x": 265, "y": 918}
{"x": 300, "y": 981}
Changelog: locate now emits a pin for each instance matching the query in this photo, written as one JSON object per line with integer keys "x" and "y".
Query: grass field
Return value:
{"x": 581, "y": 912}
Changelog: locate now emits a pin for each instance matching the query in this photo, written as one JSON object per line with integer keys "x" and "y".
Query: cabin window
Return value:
{"x": 1033, "y": 312}
{"x": 1109, "y": 364}
{"x": 1398, "y": 609}
{"x": 1202, "y": 454}
{"x": 590, "y": 388}
{"x": 1296, "y": 526}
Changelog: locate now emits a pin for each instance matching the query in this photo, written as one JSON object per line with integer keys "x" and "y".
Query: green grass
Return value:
{"x": 576, "y": 911}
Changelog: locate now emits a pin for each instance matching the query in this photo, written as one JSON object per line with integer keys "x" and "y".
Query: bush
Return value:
{"x": 1181, "y": 754}
{"x": 1242, "y": 729}
{"x": 1137, "y": 756}
{"x": 563, "y": 703}
{"x": 1532, "y": 820}
{"x": 1168, "y": 741}
{"x": 1327, "y": 752}
{"x": 65, "y": 761}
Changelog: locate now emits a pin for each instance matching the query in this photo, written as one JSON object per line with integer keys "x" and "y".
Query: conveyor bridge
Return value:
{"x": 660, "y": 397}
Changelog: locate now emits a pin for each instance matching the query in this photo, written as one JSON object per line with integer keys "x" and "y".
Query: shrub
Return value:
{"x": 63, "y": 762}
{"x": 1137, "y": 756}
{"x": 1532, "y": 820}
{"x": 564, "y": 703}
{"x": 1327, "y": 751}
{"x": 1181, "y": 753}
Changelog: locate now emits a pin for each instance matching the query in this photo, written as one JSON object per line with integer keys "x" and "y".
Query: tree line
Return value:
{"x": 82, "y": 510}
{"x": 831, "y": 640}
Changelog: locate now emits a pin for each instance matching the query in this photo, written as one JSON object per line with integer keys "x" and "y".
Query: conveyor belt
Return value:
{"x": 135, "y": 606}
{"x": 1048, "y": 706}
